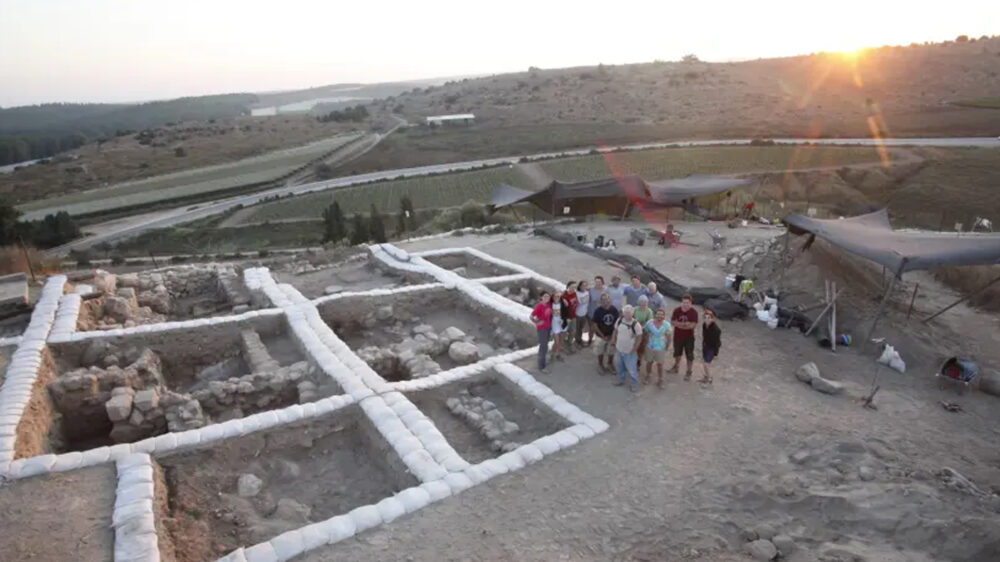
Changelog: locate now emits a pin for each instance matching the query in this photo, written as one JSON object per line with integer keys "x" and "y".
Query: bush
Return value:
{"x": 179, "y": 152}
{"x": 263, "y": 253}
{"x": 117, "y": 259}
{"x": 177, "y": 259}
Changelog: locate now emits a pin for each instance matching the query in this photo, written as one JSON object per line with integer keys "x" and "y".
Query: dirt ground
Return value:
{"x": 684, "y": 470}
{"x": 59, "y": 517}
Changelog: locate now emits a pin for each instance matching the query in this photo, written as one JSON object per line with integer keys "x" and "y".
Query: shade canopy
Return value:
{"x": 682, "y": 190}
{"x": 871, "y": 236}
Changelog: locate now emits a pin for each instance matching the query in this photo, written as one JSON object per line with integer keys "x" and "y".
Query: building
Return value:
{"x": 456, "y": 119}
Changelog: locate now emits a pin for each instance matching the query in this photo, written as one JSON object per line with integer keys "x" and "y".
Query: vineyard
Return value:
{"x": 266, "y": 167}
{"x": 426, "y": 192}
{"x": 679, "y": 162}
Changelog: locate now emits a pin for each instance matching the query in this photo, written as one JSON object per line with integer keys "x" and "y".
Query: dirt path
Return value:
{"x": 683, "y": 470}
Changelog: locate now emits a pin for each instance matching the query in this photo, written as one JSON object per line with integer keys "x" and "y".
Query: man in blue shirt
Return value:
{"x": 617, "y": 292}
{"x": 634, "y": 291}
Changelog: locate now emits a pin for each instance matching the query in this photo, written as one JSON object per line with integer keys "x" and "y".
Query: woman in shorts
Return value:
{"x": 582, "y": 307}
{"x": 657, "y": 338}
{"x": 558, "y": 325}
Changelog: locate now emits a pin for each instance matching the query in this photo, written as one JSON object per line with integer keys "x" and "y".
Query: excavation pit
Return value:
{"x": 469, "y": 266}
{"x": 414, "y": 334}
{"x": 247, "y": 490}
{"x": 487, "y": 416}
{"x": 181, "y": 293}
{"x": 74, "y": 523}
{"x": 356, "y": 276}
{"x": 127, "y": 388}
{"x": 527, "y": 291}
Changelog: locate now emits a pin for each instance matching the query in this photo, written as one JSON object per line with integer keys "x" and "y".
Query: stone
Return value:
{"x": 136, "y": 418}
{"x": 748, "y": 535}
{"x": 333, "y": 289}
{"x": 453, "y": 334}
{"x": 118, "y": 390}
{"x": 241, "y": 308}
{"x": 765, "y": 531}
{"x": 291, "y": 510}
{"x": 800, "y": 457}
{"x": 128, "y": 280}
{"x": 157, "y": 301}
{"x": 784, "y": 544}
{"x": 123, "y": 432}
{"x": 485, "y": 349}
{"x": 423, "y": 329}
{"x": 146, "y": 400}
{"x": 105, "y": 282}
{"x": 762, "y": 549}
{"x": 110, "y": 361}
{"x": 990, "y": 383}
{"x": 806, "y": 373}
{"x": 866, "y": 473}
{"x": 384, "y": 312}
{"x": 248, "y": 485}
{"x": 463, "y": 353}
{"x": 118, "y": 407}
{"x": 827, "y": 386}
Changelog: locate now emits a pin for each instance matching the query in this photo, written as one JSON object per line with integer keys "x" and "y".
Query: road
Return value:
{"x": 108, "y": 232}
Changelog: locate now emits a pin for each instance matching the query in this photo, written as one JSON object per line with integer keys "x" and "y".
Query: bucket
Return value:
{"x": 844, "y": 339}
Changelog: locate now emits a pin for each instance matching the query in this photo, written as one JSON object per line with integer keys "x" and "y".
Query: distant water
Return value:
{"x": 301, "y": 106}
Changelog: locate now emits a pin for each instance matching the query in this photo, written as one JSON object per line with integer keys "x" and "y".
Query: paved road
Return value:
{"x": 171, "y": 217}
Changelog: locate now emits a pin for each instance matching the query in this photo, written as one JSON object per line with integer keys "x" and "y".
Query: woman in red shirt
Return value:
{"x": 569, "y": 304}
{"x": 541, "y": 315}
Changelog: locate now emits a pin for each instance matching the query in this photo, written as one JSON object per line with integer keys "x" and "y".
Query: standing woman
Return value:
{"x": 558, "y": 324}
{"x": 711, "y": 343}
{"x": 582, "y": 312}
{"x": 541, "y": 315}
{"x": 595, "y": 301}
{"x": 569, "y": 302}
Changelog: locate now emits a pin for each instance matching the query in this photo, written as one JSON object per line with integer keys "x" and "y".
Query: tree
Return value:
{"x": 690, "y": 58}
{"x": 962, "y": 38}
{"x": 334, "y": 224}
{"x": 376, "y": 226}
{"x": 8, "y": 223}
{"x": 179, "y": 152}
{"x": 407, "y": 218}
{"x": 359, "y": 230}
{"x": 323, "y": 171}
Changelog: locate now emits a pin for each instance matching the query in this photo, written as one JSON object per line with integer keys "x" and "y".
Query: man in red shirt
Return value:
{"x": 570, "y": 301}
{"x": 684, "y": 321}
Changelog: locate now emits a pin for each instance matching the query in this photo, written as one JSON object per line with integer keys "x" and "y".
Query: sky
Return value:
{"x": 134, "y": 50}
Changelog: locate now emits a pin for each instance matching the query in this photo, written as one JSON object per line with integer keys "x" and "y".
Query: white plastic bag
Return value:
{"x": 891, "y": 358}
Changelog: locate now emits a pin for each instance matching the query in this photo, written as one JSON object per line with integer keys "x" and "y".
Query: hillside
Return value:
{"x": 906, "y": 91}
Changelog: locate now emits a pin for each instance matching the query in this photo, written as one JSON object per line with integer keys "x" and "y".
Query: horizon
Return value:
{"x": 116, "y": 51}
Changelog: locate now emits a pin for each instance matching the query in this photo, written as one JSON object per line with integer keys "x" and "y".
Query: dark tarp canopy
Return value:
{"x": 872, "y": 237}
{"x": 682, "y": 190}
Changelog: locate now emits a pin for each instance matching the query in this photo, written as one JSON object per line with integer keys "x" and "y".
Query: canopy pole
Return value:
{"x": 961, "y": 300}
{"x": 909, "y": 312}
{"x": 878, "y": 313}
{"x": 784, "y": 263}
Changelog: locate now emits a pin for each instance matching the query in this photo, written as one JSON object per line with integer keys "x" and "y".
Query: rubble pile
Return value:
{"x": 484, "y": 417}
{"x": 132, "y": 299}
{"x": 747, "y": 260}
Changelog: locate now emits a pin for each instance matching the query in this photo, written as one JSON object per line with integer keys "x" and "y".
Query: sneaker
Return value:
{"x": 619, "y": 383}
{"x": 687, "y": 376}
{"x": 659, "y": 383}
{"x": 672, "y": 369}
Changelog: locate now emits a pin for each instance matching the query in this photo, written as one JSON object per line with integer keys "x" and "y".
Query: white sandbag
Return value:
{"x": 458, "y": 481}
{"x": 566, "y": 438}
{"x": 758, "y": 306}
{"x": 772, "y": 323}
{"x": 581, "y": 431}
{"x": 530, "y": 453}
{"x": 365, "y": 517}
{"x": 763, "y": 315}
{"x": 390, "y": 509}
{"x": 343, "y": 526}
{"x": 288, "y": 545}
{"x": 436, "y": 490}
{"x": 413, "y": 498}
{"x": 512, "y": 460}
{"x": 238, "y": 555}
{"x": 262, "y": 552}
{"x": 313, "y": 536}
{"x": 772, "y": 311}
{"x": 547, "y": 445}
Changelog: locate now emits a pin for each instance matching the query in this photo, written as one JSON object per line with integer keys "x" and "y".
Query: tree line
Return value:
{"x": 54, "y": 230}
{"x": 361, "y": 229}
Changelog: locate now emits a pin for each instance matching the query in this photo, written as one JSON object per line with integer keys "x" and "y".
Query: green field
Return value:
{"x": 263, "y": 168}
{"x": 428, "y": 192}
{"x": 202, "y": 239}
{"x": 987, "y": 103}
{"x": 679, "y": 162}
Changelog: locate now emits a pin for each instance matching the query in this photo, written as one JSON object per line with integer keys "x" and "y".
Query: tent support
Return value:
{"x": 878, "y": 313}
{"x": 961, "y": 300}
{"x": 784, "y": 264}
{"x": 909, "y": 311}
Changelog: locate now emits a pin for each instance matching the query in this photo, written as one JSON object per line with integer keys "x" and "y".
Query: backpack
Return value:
{"x": 631, "y": 327}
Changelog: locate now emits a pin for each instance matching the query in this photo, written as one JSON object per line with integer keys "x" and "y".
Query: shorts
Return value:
{"x": 708, "y": 354}
{"x": 684, "y": 347}
{"x": 603, "y": 347}
{"x": 656, "y": 356}
{"x": 557, "y": 327}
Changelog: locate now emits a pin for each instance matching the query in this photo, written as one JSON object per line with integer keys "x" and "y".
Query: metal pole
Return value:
{"x": 784, "y": 264}
{"x": 912, "y": 299}
{"x": 833, "y": 319}
{"x": 961, "y": 300}
{"x": 878, "y": 313}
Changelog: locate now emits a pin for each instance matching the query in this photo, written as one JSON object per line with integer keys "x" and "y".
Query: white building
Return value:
{"x": 456, "y": 119}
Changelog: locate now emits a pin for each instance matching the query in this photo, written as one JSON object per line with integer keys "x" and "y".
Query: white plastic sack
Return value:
{"x": 763, "y": 315}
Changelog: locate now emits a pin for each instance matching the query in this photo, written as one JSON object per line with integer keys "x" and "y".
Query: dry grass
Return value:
{"x": 967, "y": 279}
{"x": 13, "y": 260}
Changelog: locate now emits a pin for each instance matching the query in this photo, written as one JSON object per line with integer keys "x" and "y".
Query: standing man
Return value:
{"x": 711, "y": 343}
{"x": 617, "y": 292}
{"x": 643, "y": 314}
{"x": 569, "y": 313}
{"x": 634, "y": 291}
{"x": 595, "y": 301}
{"x": 656, "y": 300}
{"x": 605, "y": 317}
{"x": 628, "y": 334}
{"x": 684, "y": 321}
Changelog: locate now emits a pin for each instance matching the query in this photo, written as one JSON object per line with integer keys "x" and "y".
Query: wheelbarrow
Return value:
{"x": 957, "y": 371}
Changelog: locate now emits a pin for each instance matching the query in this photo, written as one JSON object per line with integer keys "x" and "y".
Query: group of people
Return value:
{"x": 627, "y": 327}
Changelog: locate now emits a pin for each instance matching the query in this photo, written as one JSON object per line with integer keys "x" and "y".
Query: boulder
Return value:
{"x": 865, "y": 473}
{"x": 333, "y": 289}
{"x": 248, "y": 485}
{"x": 105, "y": 282}
{"x": 463, "y": 353}
{"x": 384, "y": 312}
{"x": 95, "y": 352}
{"x": 762, "y": 549}
{"x": 765, "y": 531}
{"x": 157, "y": 301}
{"x": 116, "y": 308}
{"x": 119, "y": 407}
{"x": 826, "y": 386}
{"x": 146, "y": 400}
{"x": 452, "y": 334}
{"x": 806, "y": 373}
{"x": 990, "y": 383}
{"x": 291, "y": 510}
{"x": 784, "y": 544}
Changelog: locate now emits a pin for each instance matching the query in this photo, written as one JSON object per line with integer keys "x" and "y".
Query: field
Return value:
{"x": 267, "y": 167}
{"x": 680, "y": 162}
{"x": 427, "y": 192}
{"x": 204, "y": 239}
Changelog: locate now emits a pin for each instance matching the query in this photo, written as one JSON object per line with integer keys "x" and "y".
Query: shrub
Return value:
{"x": 179, "y": 152}
{"x": 117, "y": 259}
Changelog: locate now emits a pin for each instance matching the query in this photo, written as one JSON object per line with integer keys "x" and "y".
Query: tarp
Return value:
{"x": 681, "y": 190}
{"x": 871, "y": 236}
{"x": 504, "y": 195}
{"x": 630, "y": 186}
